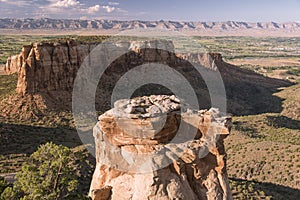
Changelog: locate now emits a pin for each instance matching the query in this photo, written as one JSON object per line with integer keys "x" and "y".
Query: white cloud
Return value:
{"x": 61, "y": 9}
{"x": 109, "y": 9}
{"x": 92, "y": 9}
{"x": 67, "y": 8}
{"x": 65, "y": 3}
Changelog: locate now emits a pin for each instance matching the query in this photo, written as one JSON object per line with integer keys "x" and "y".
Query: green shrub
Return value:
{"x": 50, "y": 173}
{"x": 3, "y": 184}
{"x": 294, "y": 71}
{"x": 10, "y": 194}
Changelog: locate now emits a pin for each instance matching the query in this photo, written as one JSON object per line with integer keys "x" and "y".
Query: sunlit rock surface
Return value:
{"x": 156, "y": 147}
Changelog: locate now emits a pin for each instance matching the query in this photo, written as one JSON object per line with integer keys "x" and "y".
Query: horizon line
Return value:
{"x": 161, "y": 20}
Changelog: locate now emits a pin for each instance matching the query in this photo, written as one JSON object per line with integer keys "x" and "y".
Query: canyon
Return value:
{"x": 47, "y": 68}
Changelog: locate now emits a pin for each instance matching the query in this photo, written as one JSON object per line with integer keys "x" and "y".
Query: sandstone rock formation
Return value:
{"x": 47, "y": 66}
{"x": 156, "y": 147}
{"x": 51, "y": 67}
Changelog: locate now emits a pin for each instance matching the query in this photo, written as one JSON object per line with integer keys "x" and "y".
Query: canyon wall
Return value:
{"x": 53, "y": 66}
{"x": 142, "y": 153}
{"x": 47, "y": 66}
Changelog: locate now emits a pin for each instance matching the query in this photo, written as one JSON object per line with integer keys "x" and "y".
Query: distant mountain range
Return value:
{"x": 214, "y": 28}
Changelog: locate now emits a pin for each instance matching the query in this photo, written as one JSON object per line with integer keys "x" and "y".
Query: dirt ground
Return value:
{"x": 2, "y": 72}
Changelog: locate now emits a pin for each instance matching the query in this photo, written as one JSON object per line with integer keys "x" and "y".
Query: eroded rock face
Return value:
{"x": 47, "y": 66}
{"x": 157, "y": 147}
{"x": 52, "y": 66}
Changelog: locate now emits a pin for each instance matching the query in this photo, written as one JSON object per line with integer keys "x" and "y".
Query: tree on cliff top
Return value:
{"x": 50, "y": 173}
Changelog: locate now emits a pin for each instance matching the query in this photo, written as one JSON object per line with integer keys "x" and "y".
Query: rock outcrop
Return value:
{"x": 156, "y": 147}
{"x": 47, "y": 66}
{"x": 51, "y": 67}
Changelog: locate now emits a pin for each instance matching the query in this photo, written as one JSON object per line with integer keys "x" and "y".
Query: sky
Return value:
{"x": 179, "y": 10}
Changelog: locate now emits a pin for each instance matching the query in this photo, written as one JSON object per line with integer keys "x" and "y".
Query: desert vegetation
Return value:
{"x": 52, "y": 172}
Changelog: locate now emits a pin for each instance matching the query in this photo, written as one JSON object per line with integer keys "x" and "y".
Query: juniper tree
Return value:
{"x": 49, "y": 173}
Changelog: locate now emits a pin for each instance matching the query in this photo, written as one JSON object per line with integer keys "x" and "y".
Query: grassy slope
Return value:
{"x": 265, "y": 150}
{"x": 291, "y": 105}
{"x": 8, "y": 85}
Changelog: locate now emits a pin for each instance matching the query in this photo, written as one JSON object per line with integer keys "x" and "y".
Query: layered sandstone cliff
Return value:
{"x": 47, "y": 66}
{"x": 156, "y": 147}
{"x": 51, "y": 67}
